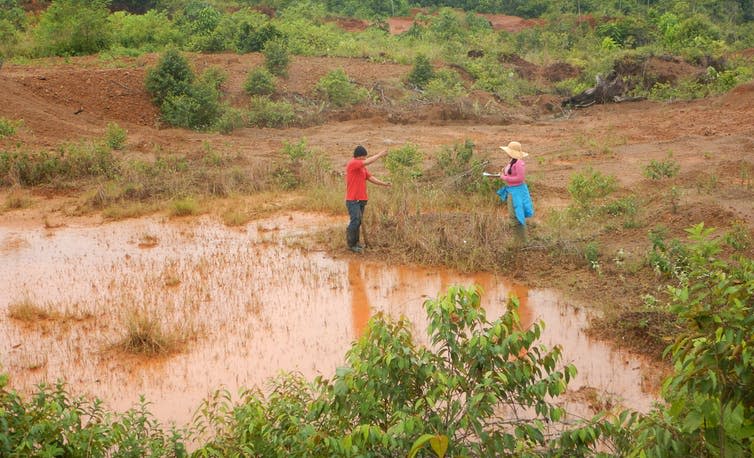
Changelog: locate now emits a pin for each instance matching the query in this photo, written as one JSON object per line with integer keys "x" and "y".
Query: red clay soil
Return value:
{"x": 350, "y": 24}
{"x": 511, "y": 24}
{"x": 398, "y": 25}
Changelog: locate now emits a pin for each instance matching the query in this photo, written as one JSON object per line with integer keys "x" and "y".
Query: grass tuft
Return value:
{"x": 27, "y": 311}
{"x": 17, "y": 200}
{"x": 184, "y": 207}
{"x": 145, "y": 336}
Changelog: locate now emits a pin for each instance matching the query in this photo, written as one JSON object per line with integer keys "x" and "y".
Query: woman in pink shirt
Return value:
{"x": 514, "y": 174}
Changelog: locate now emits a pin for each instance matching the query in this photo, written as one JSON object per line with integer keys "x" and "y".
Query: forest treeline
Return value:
{"x": 573, "y": 30}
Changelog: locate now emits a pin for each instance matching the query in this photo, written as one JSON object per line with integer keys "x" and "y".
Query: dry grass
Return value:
{"x": 148, "y": 241}
{"x": 146, "y": 336}
{"x": 234, "y": 217}
{"x": 184, "y": 207}
{"x": 17, "y": 200}
{"x": 125, "y": 210}
{"x": 27, "y": 311}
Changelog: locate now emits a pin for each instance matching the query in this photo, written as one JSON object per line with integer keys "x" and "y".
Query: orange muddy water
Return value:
{"x": 251, "y": 302}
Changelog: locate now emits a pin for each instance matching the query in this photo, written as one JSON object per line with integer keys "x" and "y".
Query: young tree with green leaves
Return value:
{"x": 711, "y": 393}
{"x": 73, "y": 28}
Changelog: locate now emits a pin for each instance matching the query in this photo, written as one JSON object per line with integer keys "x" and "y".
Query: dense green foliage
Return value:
{"x": 276, "y": 57}
{"x": 259, "y": 81}
{"x": 184, "y": 100}
{"x": 591, "y": 36}
{"x": 421, "y": 73}
{"x": 69, "y": 163}
{"x": 337, "y": 88}
{"x": 711, "y": 393}
{"x": 52, "y": 423}
{"x": 74, "y": 27}
{"x": 171, "y": 76}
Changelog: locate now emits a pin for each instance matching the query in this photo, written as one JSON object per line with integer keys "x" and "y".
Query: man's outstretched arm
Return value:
{"x": 377, "y": 181}
{"x": 371, "y": 159}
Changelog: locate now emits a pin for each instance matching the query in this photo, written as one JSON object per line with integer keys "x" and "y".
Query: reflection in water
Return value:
{"x": 359, "y": 300}
{"x": 253, "y": 305}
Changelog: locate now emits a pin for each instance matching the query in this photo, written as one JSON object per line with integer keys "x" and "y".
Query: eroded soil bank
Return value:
{"x": 248, "y": 304}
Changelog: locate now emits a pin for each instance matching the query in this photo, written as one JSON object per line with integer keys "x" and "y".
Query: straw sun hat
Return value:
{"x": 514, "y": 150}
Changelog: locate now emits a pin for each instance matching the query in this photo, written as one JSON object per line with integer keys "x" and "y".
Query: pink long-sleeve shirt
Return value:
{"x": 515, "y": 176}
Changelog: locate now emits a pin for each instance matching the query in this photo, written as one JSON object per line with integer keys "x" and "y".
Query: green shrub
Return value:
{"x": 260, "y": 82}
{"x": 738, "y": 237}
{"x": 624, "y": 206}
{"x": 253, "y": 38}
{"x": 8, "y": 128}
{"x": 221, "y": 38}
{"x": 421, "y": 73}
{"x": 503, "y": 81}
{"x": 462, "y": 169}
{"x": 708, "y": 397}
{"x": 458, "y": 395}
{"x": 13, "y": 14}
{"x": 336, "y": 88}
{"x": 657, "y": 170}
{"x": 54, "y": 423}
{"x": 73, "y": 27}
{"x": 172, "y": 76}
{"x": 445, "y": 86}
{"x": 585, "y": 187}
{"x": 69, "y": 163}
{"x": 199, "y": 21}
{"x": 230, "y": 120}
{"x": 150, "y": 31}
{"x": 264, "y": 112}
{"x": 184, "y": 207}
{"x": 214, "y": 77}
{"x": 198, "y": 108}
{"x": 592, "y": 254}
{"x": 301, "y": 165}
{"x": 115, "y": 137}
{"x": 669, "y": 258}
{"x": 404, "y": 162}
{"x": 276, "y": 58}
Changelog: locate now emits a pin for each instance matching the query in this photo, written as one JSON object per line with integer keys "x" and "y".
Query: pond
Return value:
{"x": 252, "y": 302}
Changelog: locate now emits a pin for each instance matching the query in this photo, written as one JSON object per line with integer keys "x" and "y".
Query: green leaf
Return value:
{"x": 419, "y": 443}
{"x": 693, "y": 421}
{"x": 439, "y": 444}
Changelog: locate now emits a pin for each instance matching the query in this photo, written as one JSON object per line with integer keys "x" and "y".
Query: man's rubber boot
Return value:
{"x": 352, "y": 238}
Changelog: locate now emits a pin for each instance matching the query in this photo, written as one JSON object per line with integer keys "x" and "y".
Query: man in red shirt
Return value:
{"x": 357, "y": 176}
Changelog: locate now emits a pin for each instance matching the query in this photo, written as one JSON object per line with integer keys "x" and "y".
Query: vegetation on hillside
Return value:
{"x": 590, "y": 37}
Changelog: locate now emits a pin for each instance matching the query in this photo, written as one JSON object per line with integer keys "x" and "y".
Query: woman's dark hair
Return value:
{"x": 510, "y": 165}
{"x": 359, "y": 151}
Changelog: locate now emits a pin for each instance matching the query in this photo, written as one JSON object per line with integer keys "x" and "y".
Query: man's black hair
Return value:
{"x": 359, "y": 151}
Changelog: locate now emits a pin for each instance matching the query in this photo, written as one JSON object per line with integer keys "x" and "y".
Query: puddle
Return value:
{"x": 252, "y": 304}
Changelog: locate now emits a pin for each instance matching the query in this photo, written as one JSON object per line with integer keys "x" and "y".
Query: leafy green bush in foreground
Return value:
{"x": 53, "y": 423}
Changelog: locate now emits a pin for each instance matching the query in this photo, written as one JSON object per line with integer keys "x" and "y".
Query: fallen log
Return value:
{"x": 607, "y": 90}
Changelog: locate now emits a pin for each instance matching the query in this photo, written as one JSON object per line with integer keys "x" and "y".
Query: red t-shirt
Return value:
{"x": 356, "y": 180}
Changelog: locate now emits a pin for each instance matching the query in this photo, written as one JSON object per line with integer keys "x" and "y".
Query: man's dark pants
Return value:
{"x": 356, "y": 212}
